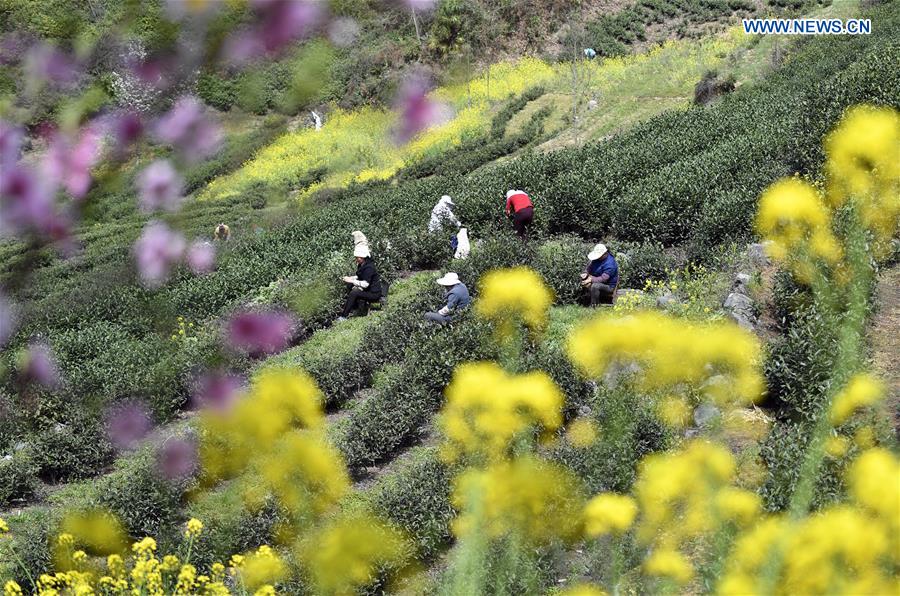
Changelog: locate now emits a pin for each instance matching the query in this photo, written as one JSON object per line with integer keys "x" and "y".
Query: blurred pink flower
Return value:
{"x": 10, "y": 143}
{"x": 69, "y": 162}
{"x": 8, "y": 319}
{"x": 160, "y": 187}
{"x": 258, "y": 333}
{"x": 177, "y": 459}
{"x": 188, "y": 128}
{"x": 217, "y": 390}
{"x": 127, "y": 423}
{"x": 416, "y": 110}
{"x": 38, "y": 366}
{"x": 281, "y": 22}
{"x": 127, "y": 127}
{"x": 201, "y": 257}
{"x": 26, "y": 204}
{"x": 157, "y": 251}
{"x": 46, "y": 64}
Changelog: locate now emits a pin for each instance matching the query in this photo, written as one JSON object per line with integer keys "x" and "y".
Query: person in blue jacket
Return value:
{"x": 457, "y": 299}
{"x": 601, "y": 276}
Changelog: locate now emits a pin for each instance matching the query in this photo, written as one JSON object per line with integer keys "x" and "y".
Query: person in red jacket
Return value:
{"x": 519, "y": 206}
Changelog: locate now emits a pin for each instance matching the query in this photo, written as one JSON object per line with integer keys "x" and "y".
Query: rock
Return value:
{"x": 667, "y": 300}
{"x": 742, "y": 282}
{"x": 592, "y": 104}
{"x": 618, "y": 372}
{"x": 705, "y": 413}
{"x": 757, "y": 254}
{"x": 690, "y": 433}
{"x": 736, "y": 301}
{"x": 584, "y": 411}
{"x": 740, "y": 309}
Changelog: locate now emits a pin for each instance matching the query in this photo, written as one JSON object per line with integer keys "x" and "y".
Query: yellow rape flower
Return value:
{"x": 607, "y": 513}
{"x": 874, "y": 480}
{"x": 510, "y": 295}
{"x": 864, "y": 165}
{"x": 11, "y": 588}
{"x": 487, "y": 408}
{"x": 348, "y": 552}
{"x": 583, "y": 590}
{"x": 738, "y": 505}
{"x": 582, "y": 432}
{"x": 837, "y": 446}
{"x": 263, "y": 566}
{"x": 98, "y": 531}
{"x": 193, "y": 528}
{"x": 537, "y": 500}
{"x": 793, "y": 216}
{"x": 861, "y": 391}
{"x": 670, "y": 564}
{"x": 266, "y": 590}
{"x": 672, "y": 353}
{"x": 677, "y": 491}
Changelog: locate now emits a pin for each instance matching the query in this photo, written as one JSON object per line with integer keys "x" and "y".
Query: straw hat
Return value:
{"x": 450, "y": 279}
{"x": 447, "y": 199}
{"x": 361, "y": 251}
{"x": 598, "y": 251}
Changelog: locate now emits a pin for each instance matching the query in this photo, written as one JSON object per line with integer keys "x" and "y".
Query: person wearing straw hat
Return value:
{"x": 457, "y": 299}
{"x": 518, "y": 204}
{"x": 359, "y": 239}
{"x": 365, "y": 285}
{"x": 601, "y": 276}
{"x": 442, "y": 212}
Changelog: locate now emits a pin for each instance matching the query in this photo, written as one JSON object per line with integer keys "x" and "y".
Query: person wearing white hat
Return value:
{"x": 518, "y": 204}
{"x": 365, "y": 285}
{"x": 457, "y": 299}
{"x": 442, "y": 212}
{"x": 601, "y": 275}
{"x": 359, "y": 239}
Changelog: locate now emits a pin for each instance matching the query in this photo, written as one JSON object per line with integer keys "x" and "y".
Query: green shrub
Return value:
{"x": 217, "y": 90}
{"x": 416, "y": 497}
{"x": 30, "y": 534}
{"x": 640, "y": 262}
{"x": 18, "y": 472}
{"x": 67, "y": 444}
{"x": 560, "y": 262}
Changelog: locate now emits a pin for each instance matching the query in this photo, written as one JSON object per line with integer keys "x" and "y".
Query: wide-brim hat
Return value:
{"x": 447, "y": 199}
{"x": 598, "y": 251}
{"x": 361, "y": 251}
{"x": 450, "y": 279}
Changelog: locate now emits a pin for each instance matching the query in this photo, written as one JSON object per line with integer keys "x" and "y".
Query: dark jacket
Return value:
{"x": 604, "y": 270}
{"x": 366, "y": 272}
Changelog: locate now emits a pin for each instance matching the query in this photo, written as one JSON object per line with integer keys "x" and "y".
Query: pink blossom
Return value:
{"x": 217, "y": 390}
{"x": 160, "y": 187}
{"x": 26, "y": 203}
{"x": 38, "y": 366}
{"x": 177, "y": 459}
{"x": 157, "y": 251}
{"x": 281, "y": 22}
{"x": 258, "y": 333}
{"x": 187, "y": 127}
{"x": 201, "y": 257}
{"x": 127, "y": 128}
{"x": 45, "y": 63}
{"x": 416, "y": 110}
{"x": 10, "y": 143}
{"x": 69, "y": 162}
{"x": 128, "y": 423}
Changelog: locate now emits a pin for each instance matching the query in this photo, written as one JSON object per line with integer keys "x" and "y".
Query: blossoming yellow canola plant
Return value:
{"x": 487, "y": 409}
{"x": 673, "y": 353}
{"x": 845, "y": 549}
{"x": 512, "y": 295}
{"x": 609, "y": 513}
{"x": 538, "y": 501}
{"x": 347, "y": 552}
{"x": 861, "y": 391}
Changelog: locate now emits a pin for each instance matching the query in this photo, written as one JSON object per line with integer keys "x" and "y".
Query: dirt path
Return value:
{"x": 885, "y": 338}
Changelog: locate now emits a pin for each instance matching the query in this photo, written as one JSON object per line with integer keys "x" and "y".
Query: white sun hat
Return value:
{"x": 598, "y": 251}
{"x": 510, "y": 193}
{"x": 451, "y": 279}
{"x": 448, "y": 200}
{"x": 361, "y": 251}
